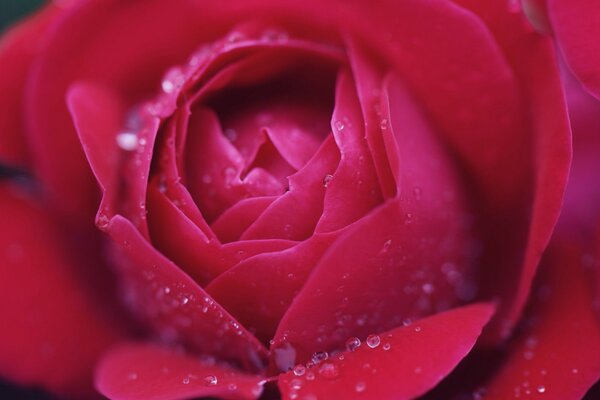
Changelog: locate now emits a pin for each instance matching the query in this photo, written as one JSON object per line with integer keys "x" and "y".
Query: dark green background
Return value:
{"x": 12, "y": 10}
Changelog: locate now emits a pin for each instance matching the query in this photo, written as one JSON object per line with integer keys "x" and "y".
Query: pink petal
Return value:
{"x": 178, "y": 238}
{"x": 236, "y": 219}
{"x": 55, "y": 330}
{"x": 353, "y": 189}
{"x": 294, "y": 214}
{"x": 556, "y": 354}
{"x": 399, "y": 364}
{"x": 214, "y": 167}
{"x": 148, "y": 372}
{"x": 97, "y": 115}
{"x": 17, "y": 51}
{"x": 175, "y": 306}
{"x": 531, "y": 220}
{"x": 259, "y": 290}
{"x": 383, "y": 269}
{"x": 576, "y": 26}
{"x": 369, "y": 80}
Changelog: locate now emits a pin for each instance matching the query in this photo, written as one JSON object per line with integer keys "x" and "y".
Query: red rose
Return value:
{"x": 297, "y": 200}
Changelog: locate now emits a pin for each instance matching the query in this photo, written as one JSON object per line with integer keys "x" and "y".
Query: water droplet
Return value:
{"x": 319, "y": 357}
{"x": 575, "y": 371}
{"x": 418, "y": 192}
{"x": 284, "y": 356}
{"x": 127, "y": 141}
{"x": 310, "y": 376}
{"x": 210, "y": 380}
{"x": 167, "y": 290}
{"x": 299, "y": 370}
{"x": 352, "y": 344}
{"x": 327, "y": 179}
{"x": 386, "y": 246}
{"x": 173, "y": 80}
{"x": 231, "y": 134}
{"x": 384, "y": 124}
{"x": 339, "y": 125}
{"x": 186, "y": 381}
{"x": 102, "y": 221}
{"x": 386, "y": 346}
{"x": 296, "y": 384}
{"x": 541, "y": 389}
{"x": 373, "y": 341}
{"x": 232, "y": 387}
{"x": 417, "y": 329}
{"x": 427, "y": 288}
{"x": 328, "y": 370}
{"x": 360, "y": 387}
{"x": 185, "y": 300}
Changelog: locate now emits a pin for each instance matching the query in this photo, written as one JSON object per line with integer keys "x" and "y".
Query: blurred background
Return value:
{"x": 11, "y": 11}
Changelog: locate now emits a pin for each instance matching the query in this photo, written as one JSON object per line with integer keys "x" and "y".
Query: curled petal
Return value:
{"x": 399, "y": 364}
{"x": 137, "y": 371}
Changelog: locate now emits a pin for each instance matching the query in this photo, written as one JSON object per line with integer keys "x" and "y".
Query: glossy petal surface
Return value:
{"x": 148, "y": 372}
{"x": 403, "y": 364}
{"x": 175, "y": 306}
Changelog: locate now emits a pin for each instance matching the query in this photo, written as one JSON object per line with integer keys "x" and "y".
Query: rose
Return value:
{"x": 439, "y": 184}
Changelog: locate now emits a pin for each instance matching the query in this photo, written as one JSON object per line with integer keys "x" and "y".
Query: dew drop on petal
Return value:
{"x": 328, "y": 370}
{"x": 386, "y": 346}
{"x": 541, "y": 389}
{"x": 319, "y": 357}
{"x": 299, "y": 370}
{"x": 210, "y": 380}
{"x": 360, "y": 387}
{"x": 327, "y": 179}
{"x": 127, "y": 141}
{"x": 352, "y": 344}
{"x": 173, "y": 80}
{"x": 373, "y": 341}
{"x": 339, "y": 125}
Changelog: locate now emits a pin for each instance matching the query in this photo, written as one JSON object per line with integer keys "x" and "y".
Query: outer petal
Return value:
{"x": 54, "y": 330}
{"x": 576, "y": 25}
{"x": 531, "y": 219}
{"x": 400, "y": 364}
{"x": 17, "y": 50}
{"x": 557, "y": 354}
{"x": 175, "y": 306}
{"x": 148, "y": 372}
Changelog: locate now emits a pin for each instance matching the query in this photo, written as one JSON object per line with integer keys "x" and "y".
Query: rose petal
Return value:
{"x": 55, "y": 330}
{"x": 556, "y": 354}
{"x": 369, "y": 79}
{"x": 17, "y": 51}
{"x": 353, "y": 189}
{"x": 531, "y": 222}
{"x": 185, "y": 244}
{"x": 143, "y": 371}
{"x": 259, "y": 290}
{"x": 400, "y": 364}
{"x": 175, "y": 306}
{"x": 294, "y": 214}
{"x": 236, "y": 219}
{"x": 214, "y": 168}
{"x": 383, "y": 270}
{"x": 575, "y": 24}
{"x": 97, "y": 115}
